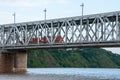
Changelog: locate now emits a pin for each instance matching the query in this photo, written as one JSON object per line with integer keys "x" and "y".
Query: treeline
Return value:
{"x": 85, "y": 58}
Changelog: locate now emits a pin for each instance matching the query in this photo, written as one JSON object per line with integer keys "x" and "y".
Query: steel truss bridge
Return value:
{"x": 98, "y": 30}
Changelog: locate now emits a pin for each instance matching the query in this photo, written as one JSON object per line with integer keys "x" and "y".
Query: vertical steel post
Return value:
{"x": 96, "y": 30}
{"x": 66, "y": 31}
{"x": 112, "y": 30}
{"x": 26, "y": 35}
{"x": 72, "y": 33}
{"x": 51, "y": 31}
{"x": 38, "y": 34}
{"x": 14, "y": 15}
{"x": 82, "y": 5}
{"x": 45, "y": 21}
{"x": 117, "y": 28}
{"x": 45, "y": 13}
{"x": 102, "y": 31}
{"x": 3, "y": 35}
{"x": 81, "y": 22}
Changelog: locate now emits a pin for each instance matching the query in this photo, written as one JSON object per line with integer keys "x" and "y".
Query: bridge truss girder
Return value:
{"x": 91, "y": 29}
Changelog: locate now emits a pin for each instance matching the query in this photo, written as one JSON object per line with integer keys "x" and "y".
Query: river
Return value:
{"x": 65, "y": 74}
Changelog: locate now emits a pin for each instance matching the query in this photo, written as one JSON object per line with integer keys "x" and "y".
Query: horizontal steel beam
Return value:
{"x": 72, "y": 45}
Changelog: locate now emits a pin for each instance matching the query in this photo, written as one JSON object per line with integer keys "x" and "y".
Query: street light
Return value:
{"x": 82, "y": 5}
{"x": 45, "y": 14}
{"x": 45, "y": 21}
{"x": 81, "y": 21}
{"x": 14, "y": 29}
{"x": 14, "y": 15}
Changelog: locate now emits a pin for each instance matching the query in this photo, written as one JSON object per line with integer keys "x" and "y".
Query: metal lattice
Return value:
{"x": 81, "y": 31}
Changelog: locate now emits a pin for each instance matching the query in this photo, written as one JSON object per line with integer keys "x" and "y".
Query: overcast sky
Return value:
{"x": 32, "y": 10}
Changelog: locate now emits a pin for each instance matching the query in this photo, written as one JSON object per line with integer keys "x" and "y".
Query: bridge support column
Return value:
{"x": 20, "y": 61}
{"x": 6, "y": 62}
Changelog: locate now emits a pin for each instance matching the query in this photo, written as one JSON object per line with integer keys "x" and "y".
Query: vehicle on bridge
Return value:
{"x": 45, "y": 40}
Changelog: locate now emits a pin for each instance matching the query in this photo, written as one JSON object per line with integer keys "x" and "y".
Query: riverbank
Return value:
{"x": 77, "y": 58}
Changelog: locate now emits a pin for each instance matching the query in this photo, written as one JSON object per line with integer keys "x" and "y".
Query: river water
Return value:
{"x": 65, "y": 74}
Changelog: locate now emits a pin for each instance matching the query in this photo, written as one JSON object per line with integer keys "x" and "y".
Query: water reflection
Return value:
{"x": 97, "y": 72}
{"x": 65, "y": 74}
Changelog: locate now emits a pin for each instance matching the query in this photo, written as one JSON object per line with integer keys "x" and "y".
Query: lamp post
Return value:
{"x": 45, "y": 22}
{"x": 82, "y": 5}
{"x": 45, "y": 14}
{"x": 81, "y": 22}
{"x": 14, "y": 28}
{"x": 14, "y": 15}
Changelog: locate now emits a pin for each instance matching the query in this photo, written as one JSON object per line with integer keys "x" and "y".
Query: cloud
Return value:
{"x": 6, "y": 17}
{"x": 23, "y": 7}
{"x": 30, "y": 3}
{"x": 62, "y": 1}
{"x": 16, "y": 3}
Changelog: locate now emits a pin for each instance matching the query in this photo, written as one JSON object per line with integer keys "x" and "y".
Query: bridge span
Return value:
{"x": 98, "y": 30}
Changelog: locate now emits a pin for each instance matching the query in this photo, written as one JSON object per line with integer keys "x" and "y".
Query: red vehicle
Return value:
{"x": 44, "y": 39}
{"x": 57, "y": 39}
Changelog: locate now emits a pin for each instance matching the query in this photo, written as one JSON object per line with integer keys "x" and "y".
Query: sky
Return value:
{"x": 33, "y": 10}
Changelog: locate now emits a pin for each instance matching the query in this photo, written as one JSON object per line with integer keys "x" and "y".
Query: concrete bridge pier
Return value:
{"x": 20, "y": 61}
{"x": 13, "y": 61}
{"x": 6, "y": 62}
